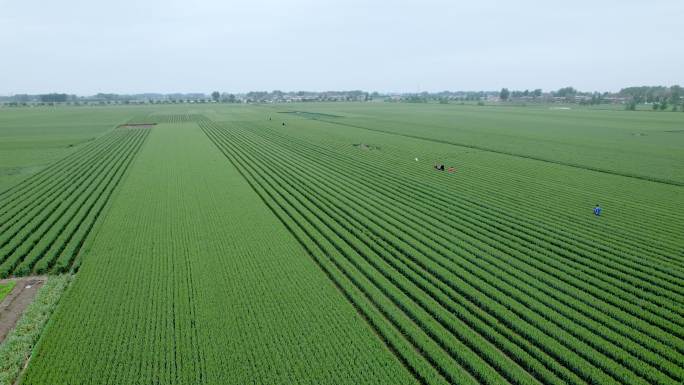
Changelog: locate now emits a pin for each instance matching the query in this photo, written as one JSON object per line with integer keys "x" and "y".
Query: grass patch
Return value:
{"x": 19, "y": 344}
{"x": 6, "y": 288}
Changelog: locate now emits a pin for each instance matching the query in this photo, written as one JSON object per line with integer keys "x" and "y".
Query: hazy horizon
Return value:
{"x": 80, "y": 47}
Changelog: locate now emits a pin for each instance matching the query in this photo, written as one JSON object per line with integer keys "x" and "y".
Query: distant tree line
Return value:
{"x": 506, "y": 94}
{"x": 659, "y": 98}
{"x": 654, "y": 94}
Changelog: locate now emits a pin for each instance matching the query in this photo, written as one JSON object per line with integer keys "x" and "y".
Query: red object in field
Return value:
{"x": 451, "y": 169}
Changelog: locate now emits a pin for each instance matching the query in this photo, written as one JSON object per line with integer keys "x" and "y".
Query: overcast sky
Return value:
{"x": 131, "y": 46}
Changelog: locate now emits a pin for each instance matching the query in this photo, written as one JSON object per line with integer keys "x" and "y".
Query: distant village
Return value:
{"x": 659, "y": 96}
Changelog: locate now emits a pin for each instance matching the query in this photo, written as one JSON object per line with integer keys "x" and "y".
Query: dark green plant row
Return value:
{"x": 546, "y": 290}
{"x": 44, "y": 228}
{"x": 556, "y": 239}
{"x": 428, "y": 280}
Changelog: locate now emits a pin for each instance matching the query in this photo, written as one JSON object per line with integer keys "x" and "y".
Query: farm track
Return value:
{"x": 46, "y": 218}
{"x": 462, "y": 297}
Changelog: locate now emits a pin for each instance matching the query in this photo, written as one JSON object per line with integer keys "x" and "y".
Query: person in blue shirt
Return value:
{"x": 597, "y": 210}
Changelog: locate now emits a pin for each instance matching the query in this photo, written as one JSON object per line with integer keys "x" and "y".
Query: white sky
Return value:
{"x": 128, "y": 46}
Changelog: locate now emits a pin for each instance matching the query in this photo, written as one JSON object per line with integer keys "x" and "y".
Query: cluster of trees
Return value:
{"x": 223, "y": 98}
{"x": 534, "y": 93}
{"x": 568, "y": 93}
{"x": 565, "y": 92}
{"x": 506, "y": 94}
{"x": 661, "y": 98}
{"x": 654, "y": 94}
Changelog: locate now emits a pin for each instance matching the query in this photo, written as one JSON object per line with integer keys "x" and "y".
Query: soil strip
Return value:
{"x": 12, "y": 307}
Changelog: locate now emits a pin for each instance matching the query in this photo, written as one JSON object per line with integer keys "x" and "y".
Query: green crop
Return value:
{"x": 45, "y": 219}
{"x": 192, "y": 279}
{"x": 218, "y": 245}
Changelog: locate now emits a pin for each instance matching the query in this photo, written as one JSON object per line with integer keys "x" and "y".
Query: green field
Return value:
{"x": 316, "y": 244}
{"x": 31, "y": 139}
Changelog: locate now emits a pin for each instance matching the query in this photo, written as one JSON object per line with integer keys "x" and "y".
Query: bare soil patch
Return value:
{"x": 12, "y": 307}
{"x": 366, "y": 147}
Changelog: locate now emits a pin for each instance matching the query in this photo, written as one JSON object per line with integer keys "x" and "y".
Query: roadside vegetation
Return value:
{"x": 18, "y": 346}
{"x": 6, "y": 288}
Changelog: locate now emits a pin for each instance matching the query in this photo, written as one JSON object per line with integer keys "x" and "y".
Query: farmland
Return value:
{"x": 31, "y": 140}
{"x": 46, "y": 218}
{"x": 315, "y": 243}
{"x": 207, "y": 287}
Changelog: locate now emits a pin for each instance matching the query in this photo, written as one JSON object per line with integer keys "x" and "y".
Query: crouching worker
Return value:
{"x": 597, "y": 210}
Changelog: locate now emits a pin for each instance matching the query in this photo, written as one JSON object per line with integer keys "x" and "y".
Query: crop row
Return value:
{"x": 517, "y": 194}
{"x": 55, "y": 173}
{"x": 521, "y": 190}
{"x": 445, "y": 296}
{"x": 194, "y": 294}
{"x": 45, "y": 222}
{"x": 659, "y": 239}
{"x": 588, "y": 260}
{"x": 496, "y": 247}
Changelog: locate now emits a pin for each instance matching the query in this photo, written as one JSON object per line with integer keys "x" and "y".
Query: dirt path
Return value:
{"x": 12, "y": 307}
